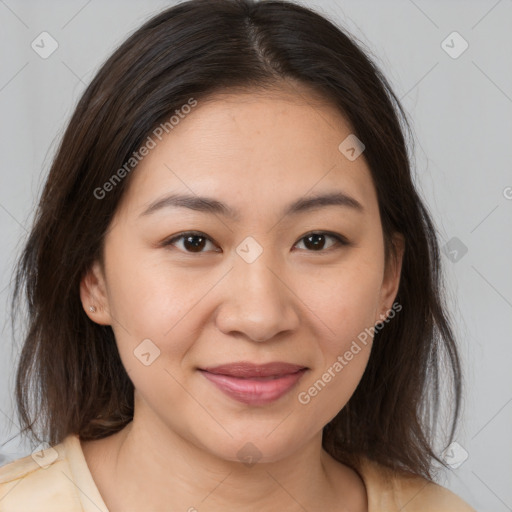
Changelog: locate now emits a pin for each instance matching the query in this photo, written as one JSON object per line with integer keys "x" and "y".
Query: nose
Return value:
{"x": 257, "y": 301}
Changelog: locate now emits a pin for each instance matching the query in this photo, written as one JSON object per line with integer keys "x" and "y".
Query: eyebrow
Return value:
{"x": 213, "y": 206}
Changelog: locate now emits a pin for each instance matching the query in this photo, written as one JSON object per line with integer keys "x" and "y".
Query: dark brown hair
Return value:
{"x": 70, "y": 378}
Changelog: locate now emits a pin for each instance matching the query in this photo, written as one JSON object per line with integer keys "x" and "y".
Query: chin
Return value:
{"x": 257, "y": 446}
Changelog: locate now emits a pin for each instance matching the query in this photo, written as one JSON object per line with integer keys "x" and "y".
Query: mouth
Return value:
{"x": 255, "y": 384}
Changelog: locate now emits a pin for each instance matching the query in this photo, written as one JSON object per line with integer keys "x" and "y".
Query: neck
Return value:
{"x": 154, "y": 468}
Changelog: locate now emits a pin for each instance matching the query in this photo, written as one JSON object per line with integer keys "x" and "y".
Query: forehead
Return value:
{"x": 249, "y": 147}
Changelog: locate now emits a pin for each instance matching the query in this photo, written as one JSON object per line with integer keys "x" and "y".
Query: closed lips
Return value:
{"x": 255, "y": 385}
{"x": 244, "y": 370}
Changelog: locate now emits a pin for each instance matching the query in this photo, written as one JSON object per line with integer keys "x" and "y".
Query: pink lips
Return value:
{"x": 254, "y": 384}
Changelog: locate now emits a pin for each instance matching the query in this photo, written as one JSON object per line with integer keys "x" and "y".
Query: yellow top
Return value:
{"x": 58, "y": 480}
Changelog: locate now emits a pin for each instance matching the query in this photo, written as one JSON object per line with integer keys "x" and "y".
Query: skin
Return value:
{"x": 257, "y": 153}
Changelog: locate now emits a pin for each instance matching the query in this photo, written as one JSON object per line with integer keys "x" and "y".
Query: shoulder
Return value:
{"x": 396, "y": 491}
{"x": 39, "y": 482}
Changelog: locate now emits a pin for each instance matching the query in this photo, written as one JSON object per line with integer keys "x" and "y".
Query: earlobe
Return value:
{"x": 93, "y": 295}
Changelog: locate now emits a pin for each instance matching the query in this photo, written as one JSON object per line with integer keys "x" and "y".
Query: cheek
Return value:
{"x": 345, "y": 305}
{"x": 327, "y": 392}
{"x": 148, "y": 302}
{"x": 344, "y": 301}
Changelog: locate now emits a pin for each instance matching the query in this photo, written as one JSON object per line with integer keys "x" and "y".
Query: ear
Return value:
{"x": 391, "y": 281}
{"x": 93, "y": 292}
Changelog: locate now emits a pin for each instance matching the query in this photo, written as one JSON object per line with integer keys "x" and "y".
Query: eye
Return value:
{"x": 317, "y": 239}
{"x": 192, "y": 241}
{"x": 195, "y": 241}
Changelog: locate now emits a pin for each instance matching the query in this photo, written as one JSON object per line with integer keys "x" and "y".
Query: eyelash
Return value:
{"x": 340, "y": 240}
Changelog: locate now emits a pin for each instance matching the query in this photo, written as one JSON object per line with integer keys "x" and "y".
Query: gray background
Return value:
{"x": 462, "y": 116}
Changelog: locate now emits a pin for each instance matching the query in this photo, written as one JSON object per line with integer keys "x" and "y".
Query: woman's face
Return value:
{"x": 252, "y": 285}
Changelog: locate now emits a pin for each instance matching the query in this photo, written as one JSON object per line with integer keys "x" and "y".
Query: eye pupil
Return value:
{"x": 319, "y": 240}
{"x": 196, "y": 247}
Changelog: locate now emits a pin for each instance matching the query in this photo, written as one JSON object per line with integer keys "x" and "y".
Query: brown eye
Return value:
{"x": 192, "y": 242}
{"x": 195, "y": 242}
{"x": 315, "y": 242}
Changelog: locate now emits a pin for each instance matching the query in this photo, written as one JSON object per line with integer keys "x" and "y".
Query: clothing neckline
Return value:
{"x": 88, "y": 493}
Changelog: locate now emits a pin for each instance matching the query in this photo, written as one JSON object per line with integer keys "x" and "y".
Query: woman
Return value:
{"x": 233, "y": 285}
